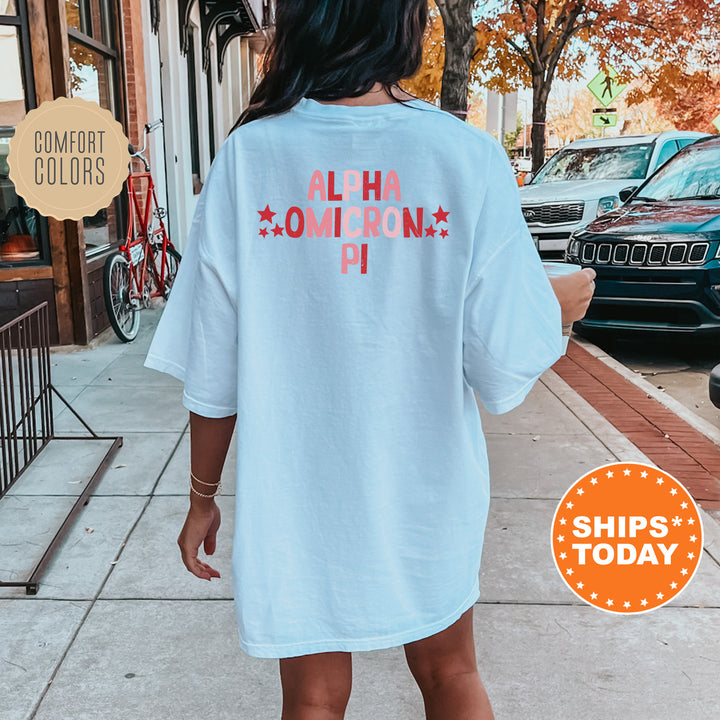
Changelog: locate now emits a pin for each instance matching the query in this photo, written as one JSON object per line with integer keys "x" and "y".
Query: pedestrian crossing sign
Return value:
{"x": 606, "y": 87}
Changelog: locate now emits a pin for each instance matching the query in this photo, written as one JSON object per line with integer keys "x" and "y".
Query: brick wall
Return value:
{"x": 135, "y": 68}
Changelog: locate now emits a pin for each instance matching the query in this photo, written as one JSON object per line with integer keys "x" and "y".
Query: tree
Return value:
{"x": 449, "y": 32}
{"x": 460, "y": 44}
{"x": 652, "y": 41}
{"x": 691, "y": 99}
{"x": 427, "y": 82}
{"x": 667, "y": 49}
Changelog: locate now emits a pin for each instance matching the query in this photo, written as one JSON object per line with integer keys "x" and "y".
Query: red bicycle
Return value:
{"x": 146, "y": 265}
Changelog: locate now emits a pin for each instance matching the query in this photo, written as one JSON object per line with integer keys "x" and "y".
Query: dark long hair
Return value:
{"x": 332, "y": 49}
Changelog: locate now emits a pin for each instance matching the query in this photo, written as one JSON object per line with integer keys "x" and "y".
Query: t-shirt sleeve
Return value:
{"x": 512, "y": 328}
{"x": 196, "y": 338}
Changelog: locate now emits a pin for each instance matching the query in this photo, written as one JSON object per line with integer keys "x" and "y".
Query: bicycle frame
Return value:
{"x": 137, "y": 237}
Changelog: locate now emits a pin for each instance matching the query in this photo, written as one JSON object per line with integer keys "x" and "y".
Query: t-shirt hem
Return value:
{"x": 361, "y": 644}
{"x": 206, "y": 410}
{"x": 164, "y": 365}
{"x": 190, "y": 403}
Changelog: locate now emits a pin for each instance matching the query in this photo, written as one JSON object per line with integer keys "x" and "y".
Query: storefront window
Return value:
{"x": 20, "y": 226}
{"x": 77, "y": 13}
{"x": 106, "y": 15}
{"x": 93, "y": 77}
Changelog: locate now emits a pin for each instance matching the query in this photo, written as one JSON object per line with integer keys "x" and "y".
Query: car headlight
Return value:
{"x": 607, "y": 204}
{"x": 574, "y": 247}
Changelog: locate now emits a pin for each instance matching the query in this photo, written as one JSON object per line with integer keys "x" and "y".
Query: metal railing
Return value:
{"x": 26, "y": 417}
{"x": 26, "y": 413}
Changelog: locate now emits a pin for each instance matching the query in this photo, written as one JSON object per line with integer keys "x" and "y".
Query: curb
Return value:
{"x": 617, "y": 443}
{"x": 623, "y": 449}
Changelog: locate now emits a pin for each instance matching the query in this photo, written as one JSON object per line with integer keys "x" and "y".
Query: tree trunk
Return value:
{"x": 541, "y": 90}
{"x": 459, "y": 47}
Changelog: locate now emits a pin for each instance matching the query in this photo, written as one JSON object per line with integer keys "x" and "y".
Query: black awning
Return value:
{"x": 225, "y": 32}
{"x": 227, "y": 18}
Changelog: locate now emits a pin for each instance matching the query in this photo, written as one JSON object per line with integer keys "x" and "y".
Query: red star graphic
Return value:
{"x": 266, "y": 215}
{"x": 429, "y": 230}
{"x": 277, "y": 230}
{"x": 444, "y": 233}
{"x": 263, "y": 232}
{"x": 440, "y": 215}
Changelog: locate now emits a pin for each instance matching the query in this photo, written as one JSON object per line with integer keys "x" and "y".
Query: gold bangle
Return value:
{"x": 217, "y": 492}
{"x": 203, "y": 483}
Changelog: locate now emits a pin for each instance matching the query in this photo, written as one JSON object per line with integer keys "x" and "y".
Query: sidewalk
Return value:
{"x": 112, "y": 634}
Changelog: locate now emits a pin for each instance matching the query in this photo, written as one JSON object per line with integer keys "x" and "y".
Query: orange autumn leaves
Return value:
{"x": 666, "y": 49}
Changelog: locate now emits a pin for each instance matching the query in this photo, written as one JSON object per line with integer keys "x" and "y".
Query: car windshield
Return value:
{"x": 693, "y": 174}
{"x": 620, "y": 162}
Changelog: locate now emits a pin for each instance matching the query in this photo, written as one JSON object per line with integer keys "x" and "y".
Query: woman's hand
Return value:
{"x": 574, "y": 292}
{"x": 201, "y": 526}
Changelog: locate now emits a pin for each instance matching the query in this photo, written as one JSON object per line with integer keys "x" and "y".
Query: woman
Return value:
{"x": 357, "y": 265}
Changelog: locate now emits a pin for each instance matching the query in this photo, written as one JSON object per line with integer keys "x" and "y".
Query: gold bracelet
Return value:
{"x": 217, "y": 492}
{"x": 201, "y": 482}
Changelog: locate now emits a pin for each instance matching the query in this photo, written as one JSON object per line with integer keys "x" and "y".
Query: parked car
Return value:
{"x": 522, "y": 164}
{"x": 583, "y": 180}
{"x": 657, "y": 258}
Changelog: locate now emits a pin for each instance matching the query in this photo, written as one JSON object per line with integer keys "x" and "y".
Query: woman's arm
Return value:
{"x": 209, "y": 442}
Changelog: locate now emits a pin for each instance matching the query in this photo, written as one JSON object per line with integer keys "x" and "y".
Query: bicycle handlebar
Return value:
{"x": 149, "y": 127}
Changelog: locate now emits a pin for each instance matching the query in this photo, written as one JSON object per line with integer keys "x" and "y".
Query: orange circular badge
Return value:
{"x": 627, "y": 538}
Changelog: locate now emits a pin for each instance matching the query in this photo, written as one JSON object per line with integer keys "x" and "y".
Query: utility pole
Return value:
{"x": 501, "y": 119}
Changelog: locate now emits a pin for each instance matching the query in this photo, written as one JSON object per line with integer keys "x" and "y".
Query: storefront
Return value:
{"x": 141, "y": 60}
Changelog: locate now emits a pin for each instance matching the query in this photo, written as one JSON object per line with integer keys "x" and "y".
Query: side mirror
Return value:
{"x": 528, "y": 178}
{"x": 626, "y": 193}
{"x": 715, "y": 386}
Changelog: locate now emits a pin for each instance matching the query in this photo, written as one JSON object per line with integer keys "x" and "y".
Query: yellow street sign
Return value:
{"x": 605, "y": 120}
{"x": 605, "y": 86}
{"x": 716, "y": 122}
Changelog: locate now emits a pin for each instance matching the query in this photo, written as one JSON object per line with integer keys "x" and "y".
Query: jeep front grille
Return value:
{"x": 638, "y": 254}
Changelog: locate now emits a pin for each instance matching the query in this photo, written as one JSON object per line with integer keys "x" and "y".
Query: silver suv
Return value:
{"x": 584, "y": 179}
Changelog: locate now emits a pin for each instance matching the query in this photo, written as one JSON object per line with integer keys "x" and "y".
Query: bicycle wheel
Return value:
{"x": 123, "y": 313}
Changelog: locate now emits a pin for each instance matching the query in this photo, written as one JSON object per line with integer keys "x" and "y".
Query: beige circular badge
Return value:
{"x": 68, "y": 158}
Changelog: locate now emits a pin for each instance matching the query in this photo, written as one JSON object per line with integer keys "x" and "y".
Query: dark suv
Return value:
{"x": 657, "y": 257}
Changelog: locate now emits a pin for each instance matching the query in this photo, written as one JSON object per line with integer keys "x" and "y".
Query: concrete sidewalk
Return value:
{"x": 120, "y": 630}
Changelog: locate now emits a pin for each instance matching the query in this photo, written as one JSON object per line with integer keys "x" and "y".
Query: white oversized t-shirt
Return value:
{"x": 351, "y": 274}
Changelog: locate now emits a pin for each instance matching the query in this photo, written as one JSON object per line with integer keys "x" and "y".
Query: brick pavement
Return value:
{"x": 670, "y": 442}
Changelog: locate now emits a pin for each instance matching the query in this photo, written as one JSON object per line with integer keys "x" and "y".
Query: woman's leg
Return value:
{"x": 445, "y": 668}
{"x": 316, "y": 686}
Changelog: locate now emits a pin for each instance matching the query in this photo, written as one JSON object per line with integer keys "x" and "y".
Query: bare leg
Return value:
{"x": 445, "y": 668}
{"x": 316, "y": 686}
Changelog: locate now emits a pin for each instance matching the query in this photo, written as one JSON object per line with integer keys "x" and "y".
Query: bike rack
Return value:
{"x": 26, "y": 419}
